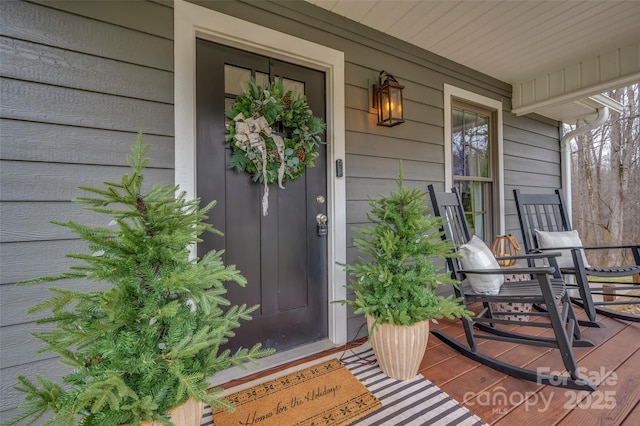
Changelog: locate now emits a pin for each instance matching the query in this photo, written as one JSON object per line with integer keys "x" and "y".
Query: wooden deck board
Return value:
{"x": 522, "y": 392}
{"x": 503, "y": 400}
{"x": 633, "y": 418}
{"x": 615, "y": 398}
{"x": 532, "y": 404}
{"x": 524, "y": 395}
{"x": 551, "y": 404}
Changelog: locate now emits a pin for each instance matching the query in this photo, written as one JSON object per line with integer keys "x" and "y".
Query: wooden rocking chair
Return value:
{"x": 545, "y": 287}
{"x": 546, "y": 213}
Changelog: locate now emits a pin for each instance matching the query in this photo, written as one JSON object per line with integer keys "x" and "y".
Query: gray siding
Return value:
{"x": 531, "y": 161}
{"x": 78, "y": 81}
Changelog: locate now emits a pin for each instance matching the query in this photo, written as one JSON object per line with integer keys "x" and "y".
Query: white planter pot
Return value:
{"x": 399, "y": 349}
{"x": 187, "y": 414}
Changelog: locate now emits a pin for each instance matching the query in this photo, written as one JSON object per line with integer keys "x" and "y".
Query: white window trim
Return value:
{"x": 451, "y": 92}
{"x": 191, "y": 21}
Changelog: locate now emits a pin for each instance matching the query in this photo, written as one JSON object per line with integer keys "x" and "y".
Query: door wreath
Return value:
{"x": 273, "y": 134}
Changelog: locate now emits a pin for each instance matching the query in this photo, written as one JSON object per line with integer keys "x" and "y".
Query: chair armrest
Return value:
{"x": 543, "y": 249}
{"x": 622, "y": 247}
{"x": 634, "y": 248}
{"x": 511, "y": 271}
{"x": 532, "y": 255}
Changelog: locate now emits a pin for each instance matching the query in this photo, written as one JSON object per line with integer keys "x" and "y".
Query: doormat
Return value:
{"x": 323, "y": 394}
{"x": 415, "y": 402}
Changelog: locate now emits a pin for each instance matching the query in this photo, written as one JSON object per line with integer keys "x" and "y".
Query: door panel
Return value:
{"x": 281, "y": 255}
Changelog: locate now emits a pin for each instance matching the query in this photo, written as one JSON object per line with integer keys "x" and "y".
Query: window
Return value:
{"x": 473, "y": 159}
{"x": 472, "y": 134}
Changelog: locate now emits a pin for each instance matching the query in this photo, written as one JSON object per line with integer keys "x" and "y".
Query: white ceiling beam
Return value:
{"x": 579, "y": 80}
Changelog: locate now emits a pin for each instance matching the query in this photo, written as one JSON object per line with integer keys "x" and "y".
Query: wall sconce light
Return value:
{"x": 387, "y": 99}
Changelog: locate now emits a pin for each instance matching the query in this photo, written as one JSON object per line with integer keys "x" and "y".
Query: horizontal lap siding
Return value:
{"x": 60, "y": 105}
{"x": 45, "y": 142}
{"x": 44, "y": 64}
{"x": 78, "y": 81}
{"x": 531, "y": 161}
{"x": 45, "y": 24}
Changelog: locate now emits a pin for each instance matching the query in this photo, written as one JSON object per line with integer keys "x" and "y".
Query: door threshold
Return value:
{"x": 275, "y": 360}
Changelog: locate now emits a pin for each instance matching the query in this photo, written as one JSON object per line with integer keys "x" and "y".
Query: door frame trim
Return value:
{"x": 192, "y": 21}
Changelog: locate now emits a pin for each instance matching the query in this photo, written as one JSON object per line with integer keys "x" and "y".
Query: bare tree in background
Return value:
{"x": 606, "y": 180}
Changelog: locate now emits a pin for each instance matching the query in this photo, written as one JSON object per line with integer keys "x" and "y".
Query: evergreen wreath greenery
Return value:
{"x": 286, "y": 112}
{"x": 397, "y": 281}
{"x": 151, "y": 341}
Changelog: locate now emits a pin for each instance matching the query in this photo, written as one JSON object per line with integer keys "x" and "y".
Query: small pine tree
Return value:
{"x": 397, "y": 283}
{"x": 149, "y": 342}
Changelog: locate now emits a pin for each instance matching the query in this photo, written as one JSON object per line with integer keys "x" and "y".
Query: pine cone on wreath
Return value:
{"x": 301, "y": 155}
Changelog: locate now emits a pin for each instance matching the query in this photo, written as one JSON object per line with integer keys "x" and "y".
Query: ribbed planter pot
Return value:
{"x": 187, "y": 414}
{"x": 399, "y": 349}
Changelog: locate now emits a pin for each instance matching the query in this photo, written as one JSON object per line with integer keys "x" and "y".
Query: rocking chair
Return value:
{"x": 545, "y": 286}
{"x": 545, "y": 225}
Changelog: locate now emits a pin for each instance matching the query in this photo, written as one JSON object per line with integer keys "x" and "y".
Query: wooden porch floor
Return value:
{"x": 613, "y": 364}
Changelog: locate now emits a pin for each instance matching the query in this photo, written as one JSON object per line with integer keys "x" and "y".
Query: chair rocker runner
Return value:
{"x": 544, "y": 287}
{"x": 545, "y": 223}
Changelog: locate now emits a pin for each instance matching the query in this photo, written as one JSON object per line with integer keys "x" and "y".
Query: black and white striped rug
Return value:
{"x": 415, "y": 402}
{"x": 410, "y": 402}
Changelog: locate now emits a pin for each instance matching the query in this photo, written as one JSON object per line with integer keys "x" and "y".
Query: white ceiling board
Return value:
{"x": 508, "y": 40}
{"x": 413, "y": 24}
{"x": 383, "y": 15}
{"x": 517, "y": 42}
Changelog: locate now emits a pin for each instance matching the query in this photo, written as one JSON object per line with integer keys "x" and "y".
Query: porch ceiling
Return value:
{"x": 555, "y": 54}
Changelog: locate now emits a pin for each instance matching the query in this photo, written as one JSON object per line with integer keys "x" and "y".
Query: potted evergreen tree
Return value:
{"x": 149, "y": 342}
{"x": 395, "y": 285}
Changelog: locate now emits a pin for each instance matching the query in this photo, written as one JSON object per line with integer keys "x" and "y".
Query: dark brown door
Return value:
{"x": 281, "y": 254}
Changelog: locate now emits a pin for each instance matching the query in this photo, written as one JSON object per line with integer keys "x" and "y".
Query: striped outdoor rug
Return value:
{"x": 415, "y": 402}
{"x": 411, "y": 402}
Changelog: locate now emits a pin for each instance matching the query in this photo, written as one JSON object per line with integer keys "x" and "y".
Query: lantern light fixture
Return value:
{"x": 387, "y": 99}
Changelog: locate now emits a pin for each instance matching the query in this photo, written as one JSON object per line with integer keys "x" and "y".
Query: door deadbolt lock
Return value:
{"x": 321, "y": 220}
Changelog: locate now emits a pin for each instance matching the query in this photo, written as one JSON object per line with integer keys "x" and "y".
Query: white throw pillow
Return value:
{"x": 476, "y": 255}
{"x": 549, "y": 240}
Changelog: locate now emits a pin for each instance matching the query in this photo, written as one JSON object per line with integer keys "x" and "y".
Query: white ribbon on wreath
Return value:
{"x": 248, "y": 134}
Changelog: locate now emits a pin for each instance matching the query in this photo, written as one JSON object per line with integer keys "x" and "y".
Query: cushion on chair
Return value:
{"x": 476, "y": 255}
{"x": 549, "y": 240}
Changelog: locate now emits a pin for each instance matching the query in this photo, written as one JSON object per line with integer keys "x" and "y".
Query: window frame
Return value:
{"x": 454, "y": 96}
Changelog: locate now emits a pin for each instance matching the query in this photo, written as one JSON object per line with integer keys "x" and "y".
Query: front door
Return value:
{"x": 281, "y": 254}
